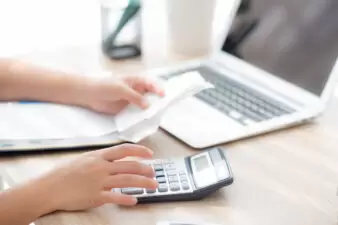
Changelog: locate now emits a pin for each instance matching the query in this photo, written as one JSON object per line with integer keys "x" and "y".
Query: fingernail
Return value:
{"x": 151, "y": 152}
{"x": 144, "y": 103}
{"x": 134, "y": 200}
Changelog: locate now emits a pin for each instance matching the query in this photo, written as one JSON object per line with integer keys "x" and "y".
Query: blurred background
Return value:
{"x": 39, "y": 25}
{"x": 264, "y": 30}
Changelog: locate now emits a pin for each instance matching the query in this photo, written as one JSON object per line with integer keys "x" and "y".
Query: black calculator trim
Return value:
{"x": 196, "y": 194}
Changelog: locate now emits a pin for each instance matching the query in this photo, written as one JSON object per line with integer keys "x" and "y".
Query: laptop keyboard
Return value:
{"x": 238, "y": 101}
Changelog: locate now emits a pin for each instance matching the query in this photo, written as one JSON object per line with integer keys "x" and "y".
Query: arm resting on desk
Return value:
{"x": 79, "y": 184}
{"x": 21, "y": 81}
{"x": 24, "y": 204}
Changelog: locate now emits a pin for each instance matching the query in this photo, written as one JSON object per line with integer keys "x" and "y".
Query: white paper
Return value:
{"x": 51, "y": 121}
{"x": 133, "y": 123}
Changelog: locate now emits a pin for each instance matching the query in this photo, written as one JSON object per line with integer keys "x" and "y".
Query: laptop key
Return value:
{"x": 248, "y": 122}
{"x": 207, "y": 99}
{"x": 245, "y": 111}
{"x": 224, "y": 108}
{"x": 235, "y": 115}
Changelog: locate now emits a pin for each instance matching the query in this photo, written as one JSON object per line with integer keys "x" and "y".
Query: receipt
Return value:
{"x": 134, "y": 124}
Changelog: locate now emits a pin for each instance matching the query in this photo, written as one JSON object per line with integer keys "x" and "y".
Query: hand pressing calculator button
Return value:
{"x": 183, "y": 179}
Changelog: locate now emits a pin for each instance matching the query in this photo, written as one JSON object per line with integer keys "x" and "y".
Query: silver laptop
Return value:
{"x": 275, "y": 72}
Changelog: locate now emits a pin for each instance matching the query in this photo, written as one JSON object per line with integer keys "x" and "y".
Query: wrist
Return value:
{"x": 21, "y": 81}
{"x": 42, "y": 200}
{"x": 30, "y": 201}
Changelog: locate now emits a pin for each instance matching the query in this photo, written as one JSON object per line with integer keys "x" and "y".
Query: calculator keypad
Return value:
{"x": 171, "y": 176}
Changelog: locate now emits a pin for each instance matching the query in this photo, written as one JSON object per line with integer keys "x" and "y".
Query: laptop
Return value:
{"x": 281, "y": 73}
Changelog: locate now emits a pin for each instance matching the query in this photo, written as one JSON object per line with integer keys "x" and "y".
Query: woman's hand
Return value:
{"x": 110, "y": 95}
{"x": 87, "y": 181}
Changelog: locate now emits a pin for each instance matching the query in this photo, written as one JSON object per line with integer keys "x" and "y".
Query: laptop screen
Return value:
{"x": 294, "y": 40}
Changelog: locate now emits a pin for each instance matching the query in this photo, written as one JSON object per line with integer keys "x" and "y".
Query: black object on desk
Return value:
{"x": 125, "y": 51}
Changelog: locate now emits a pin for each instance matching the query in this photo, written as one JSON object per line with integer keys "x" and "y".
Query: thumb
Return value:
{"x": 132, "y": 96}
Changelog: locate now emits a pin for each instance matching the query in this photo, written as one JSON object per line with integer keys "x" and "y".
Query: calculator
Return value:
{"x": 183, "y": 179}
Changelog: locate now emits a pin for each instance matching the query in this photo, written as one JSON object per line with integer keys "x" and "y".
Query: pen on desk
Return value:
{"x": 28, "y": 102}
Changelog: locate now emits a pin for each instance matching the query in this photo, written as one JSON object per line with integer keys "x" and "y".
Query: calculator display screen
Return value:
{"x": 201, "y": 163}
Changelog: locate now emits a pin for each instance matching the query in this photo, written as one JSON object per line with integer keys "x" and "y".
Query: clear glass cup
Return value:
{"x": 121, "y": 28}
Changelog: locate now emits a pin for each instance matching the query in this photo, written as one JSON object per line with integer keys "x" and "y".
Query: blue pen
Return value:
{"x": 27, "y": 102}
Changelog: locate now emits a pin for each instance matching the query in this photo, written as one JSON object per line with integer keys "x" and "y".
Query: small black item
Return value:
{"x": 122, "y": 52}
{"x": 109, "y": 46}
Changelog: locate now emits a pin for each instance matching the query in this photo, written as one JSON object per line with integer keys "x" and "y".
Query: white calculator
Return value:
{"x": 183, "y": 179}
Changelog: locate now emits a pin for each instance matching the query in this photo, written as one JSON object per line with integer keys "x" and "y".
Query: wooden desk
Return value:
{"x": 287, "y": 178}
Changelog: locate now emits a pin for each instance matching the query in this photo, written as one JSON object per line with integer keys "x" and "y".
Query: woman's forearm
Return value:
{"x": 21, "y": 81}
{"x": 23, "y": 205}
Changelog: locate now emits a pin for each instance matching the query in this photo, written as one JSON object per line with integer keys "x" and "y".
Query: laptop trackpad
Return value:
{"x": 194, "y": 121}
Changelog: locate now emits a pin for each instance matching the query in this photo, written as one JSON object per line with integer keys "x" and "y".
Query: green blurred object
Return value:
{"x": 128, "y": 50}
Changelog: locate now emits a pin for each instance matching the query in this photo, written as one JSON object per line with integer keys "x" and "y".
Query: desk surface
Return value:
{"x": 288, "y": 177}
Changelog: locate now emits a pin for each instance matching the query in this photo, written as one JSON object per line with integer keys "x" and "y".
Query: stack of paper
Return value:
{"x": 39, "y": 121}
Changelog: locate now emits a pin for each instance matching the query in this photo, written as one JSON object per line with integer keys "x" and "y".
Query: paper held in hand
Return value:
{"x": 49, "y": 121}
{"x": 134, "y": 124}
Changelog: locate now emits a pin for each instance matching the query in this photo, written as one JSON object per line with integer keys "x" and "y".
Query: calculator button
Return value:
{"x": 171, "y": 172}
{"x": 150, "y": 191}
{"x": 161, "y": 180}
{"x": 221, "y": 170}
{"x": 162, "y": 187}
{"x": 158, "y": 167}
{"x": 132, "y": 191}
{"x": 168, "y": 161}
{"x": 170, "y": 166}
{"x": 185, "y": 185}
{"x": 174, "y": 186}
{"x": 182, "y": 173}
{"x": 183, "y": 178}
{"x": 159, "y": 173}
{"x": 157, "y": 162}
{"x": 172, "y": 178}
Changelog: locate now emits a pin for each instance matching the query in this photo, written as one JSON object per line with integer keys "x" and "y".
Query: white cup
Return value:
{"x": 190, "y": 24}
